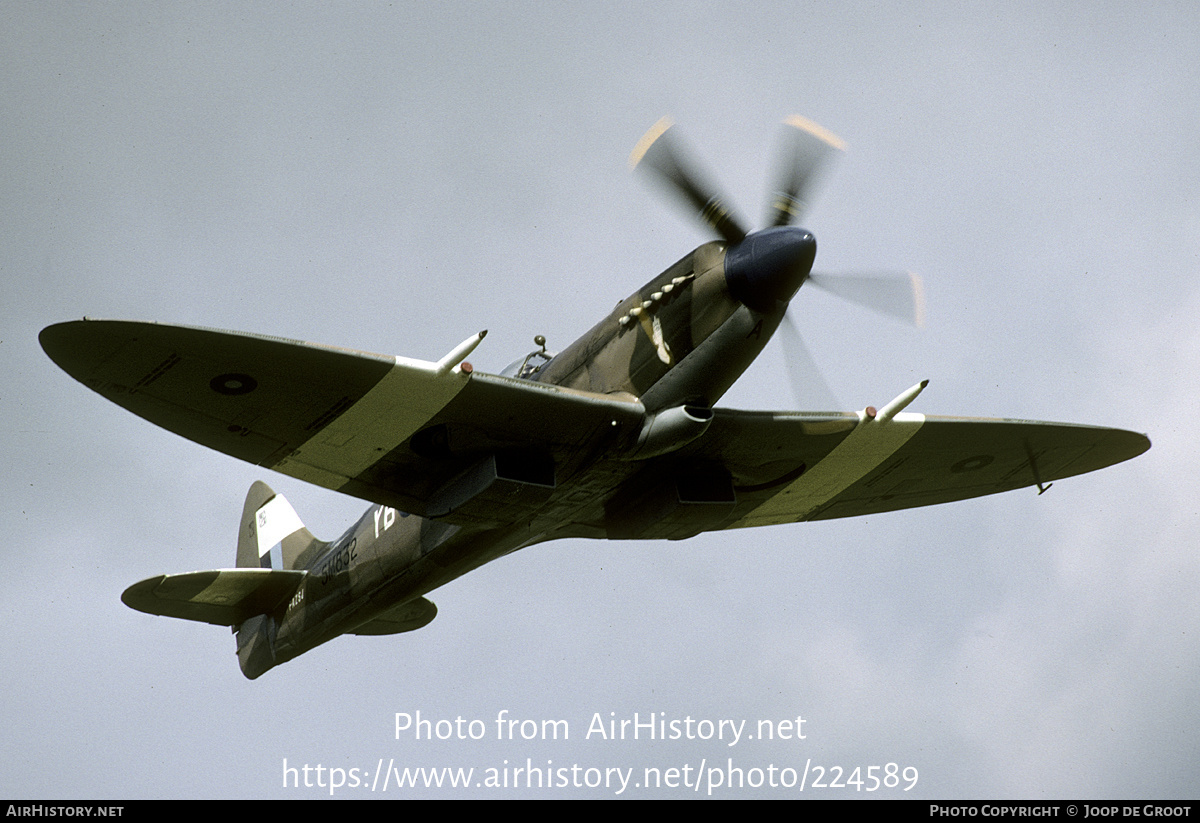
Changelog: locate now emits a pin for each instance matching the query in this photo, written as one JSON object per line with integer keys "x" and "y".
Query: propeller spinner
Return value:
{"x": 767, "y": 262}
{"x": 764, "y": 269}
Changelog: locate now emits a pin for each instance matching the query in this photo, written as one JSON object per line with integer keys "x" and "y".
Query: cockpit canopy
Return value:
{"x": 527, "y": 367}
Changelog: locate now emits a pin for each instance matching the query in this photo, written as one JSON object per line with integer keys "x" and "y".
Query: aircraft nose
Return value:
{"x": 769, "y": 266}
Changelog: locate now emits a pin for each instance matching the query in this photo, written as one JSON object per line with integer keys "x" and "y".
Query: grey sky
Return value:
{"x": 396, "y": 177}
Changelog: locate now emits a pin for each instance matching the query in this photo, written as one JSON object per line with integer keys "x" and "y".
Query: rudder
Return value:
{"x": 272, "y": 535}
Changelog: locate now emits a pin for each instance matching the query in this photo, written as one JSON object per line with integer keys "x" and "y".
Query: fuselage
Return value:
{"x": 677, "y": 343}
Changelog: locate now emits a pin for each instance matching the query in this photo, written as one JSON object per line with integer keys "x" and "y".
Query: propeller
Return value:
{"x": 899, "y": 295}
{"x": 808, "y": 384}
{"x": 768, "y": 266}
{"x": 660, "y": 151}
{"x": 806, "y": 149}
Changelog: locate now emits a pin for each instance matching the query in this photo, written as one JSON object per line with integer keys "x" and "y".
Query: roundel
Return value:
{"x": 971, "y": 464}
{"x": 233, "y": 383}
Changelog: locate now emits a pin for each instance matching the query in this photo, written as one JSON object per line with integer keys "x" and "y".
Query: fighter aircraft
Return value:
{"x": 618, "y": 436}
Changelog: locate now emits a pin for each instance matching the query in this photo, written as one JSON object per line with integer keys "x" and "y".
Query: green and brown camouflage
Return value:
{"x": 616, "y": 437}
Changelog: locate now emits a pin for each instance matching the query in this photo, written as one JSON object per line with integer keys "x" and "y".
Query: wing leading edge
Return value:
{"x": 339, "y": 418}
{"x": 786, "y": 469}
{"x": 409, "y": 434}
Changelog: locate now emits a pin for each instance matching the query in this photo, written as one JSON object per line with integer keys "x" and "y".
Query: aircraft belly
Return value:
{"x": 406, "y": 617}
{"x": 381, "y": 591}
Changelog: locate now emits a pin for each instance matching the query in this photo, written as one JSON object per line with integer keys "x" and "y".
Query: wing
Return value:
{"x": 764, "y": 468}
{"x": 387, "y": 429}
{"x": 792, "y": 467}
{"x": 223, "y": 597}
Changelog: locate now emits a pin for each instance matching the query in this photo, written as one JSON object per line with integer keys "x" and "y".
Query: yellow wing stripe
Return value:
{"x": 865, "y": 448}
{"x": 408, "y": 396}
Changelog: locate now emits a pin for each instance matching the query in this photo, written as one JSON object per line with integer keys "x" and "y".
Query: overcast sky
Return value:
{"x": 394, "y": 177}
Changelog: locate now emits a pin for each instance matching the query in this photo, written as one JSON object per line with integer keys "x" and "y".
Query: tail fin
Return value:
{"x": 272, "y": 536}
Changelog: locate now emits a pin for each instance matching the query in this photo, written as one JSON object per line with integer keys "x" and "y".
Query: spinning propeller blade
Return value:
{"x": 807, "y": 148}
{"x": 900, "y": 295}
{"x": 809, "y": 387}
{"x": 659, "y": 151}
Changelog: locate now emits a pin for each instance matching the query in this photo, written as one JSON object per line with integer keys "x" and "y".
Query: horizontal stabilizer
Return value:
{"x": 223, "y": 597}
{"x": 406, "y": 617}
